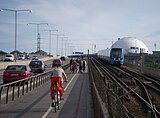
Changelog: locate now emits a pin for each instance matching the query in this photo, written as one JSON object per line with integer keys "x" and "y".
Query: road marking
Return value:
{"x": 50, "y": 108}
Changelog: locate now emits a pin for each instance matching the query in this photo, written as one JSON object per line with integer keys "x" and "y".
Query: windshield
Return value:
{"x": 16, "y": 67}
{"x": 117, "y": 52}
{"x": 35, "y": 63}
{"x": 8, "y": 55}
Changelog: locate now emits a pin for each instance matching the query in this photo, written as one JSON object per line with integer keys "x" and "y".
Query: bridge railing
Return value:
{"x": 13, "y": 90}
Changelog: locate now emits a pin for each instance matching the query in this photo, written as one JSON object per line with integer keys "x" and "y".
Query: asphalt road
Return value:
{"x": 37, "y": 103}
{"x": 48, "y": 63}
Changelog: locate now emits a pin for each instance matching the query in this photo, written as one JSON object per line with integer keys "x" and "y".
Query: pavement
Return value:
{"x": 37, "y": 103}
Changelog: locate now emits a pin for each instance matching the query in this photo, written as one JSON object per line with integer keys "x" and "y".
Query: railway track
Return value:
{"x": 139, "y": 94}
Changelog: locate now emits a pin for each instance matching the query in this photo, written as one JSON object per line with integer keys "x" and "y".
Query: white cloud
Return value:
{"x": 93, "y": 21}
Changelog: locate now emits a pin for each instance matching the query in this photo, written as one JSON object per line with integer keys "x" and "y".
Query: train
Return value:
{"x": 115, "y": 56}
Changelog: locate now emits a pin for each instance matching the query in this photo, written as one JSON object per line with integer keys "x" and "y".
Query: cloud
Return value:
{"x": 87, "y": 21}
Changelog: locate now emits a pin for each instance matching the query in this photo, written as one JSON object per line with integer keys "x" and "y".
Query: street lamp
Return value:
{"x": 62, "y": 46}
{"x": 57, "y": 40}
{"x": 65, "y": 46}
{"x": 16, "y": 11}
{"x": 50, "y": 39}
{"x": 69, "y": 47}
{"x": 38, "y": 34}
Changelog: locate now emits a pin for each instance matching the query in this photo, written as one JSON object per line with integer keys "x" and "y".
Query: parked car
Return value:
{"x": 56, "y": 62}
{"x": 37, "y": 66}
{"x": 34, "y": 58}
{"x": 21, "y": 57}
{"x": 9, "y": 57}
{"x": 16, "y": 72}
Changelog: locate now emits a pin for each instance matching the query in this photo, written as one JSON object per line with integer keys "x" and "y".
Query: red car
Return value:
{"x": 16, "y": 72}
{"x": 56, "y": 62}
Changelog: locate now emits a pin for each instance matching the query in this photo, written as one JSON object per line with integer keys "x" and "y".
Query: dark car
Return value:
{"x": 56, "y": 62}
{"x": 16, "y": 72}
{"x": 37, "y": 66}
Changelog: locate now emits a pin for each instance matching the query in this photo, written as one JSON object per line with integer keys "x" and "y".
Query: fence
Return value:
{"x": 13, "y": 90}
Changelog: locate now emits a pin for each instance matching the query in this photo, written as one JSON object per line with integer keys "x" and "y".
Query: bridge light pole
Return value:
{"x": 57, "y": 40}
{"x": 16, "y": 11}
{"x": 50, "y": 39}
{"x": 38, "y": 34}
{"x": 62, "y": 45}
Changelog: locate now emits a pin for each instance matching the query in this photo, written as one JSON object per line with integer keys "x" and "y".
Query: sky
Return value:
{"x": 84, "y": 23}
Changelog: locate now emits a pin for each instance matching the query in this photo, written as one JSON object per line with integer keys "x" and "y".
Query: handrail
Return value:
{"x": 25, "y": 85}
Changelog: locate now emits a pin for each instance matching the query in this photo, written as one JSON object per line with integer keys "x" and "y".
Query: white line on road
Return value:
{"x": 50, "y": 108}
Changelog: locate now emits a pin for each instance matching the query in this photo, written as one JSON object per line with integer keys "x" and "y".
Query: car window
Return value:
{"x": 17, "y": 68}
{"x": 8, "y": 55}
{"x": 35, "y": 63}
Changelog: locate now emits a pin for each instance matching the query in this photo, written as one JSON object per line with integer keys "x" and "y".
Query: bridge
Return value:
{"x": 90, "y": 94}
{"x": 34, "y": 100}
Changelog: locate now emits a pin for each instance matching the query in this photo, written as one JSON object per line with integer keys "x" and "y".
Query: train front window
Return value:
{"x": 117, "y": 53}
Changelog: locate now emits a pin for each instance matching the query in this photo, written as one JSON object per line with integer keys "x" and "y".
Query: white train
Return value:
{"x": 104, "y": 54}
{"x": 115, "y": 56}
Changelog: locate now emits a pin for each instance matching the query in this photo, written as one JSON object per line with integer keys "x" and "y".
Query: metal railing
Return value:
{"x": 13, "y": 90}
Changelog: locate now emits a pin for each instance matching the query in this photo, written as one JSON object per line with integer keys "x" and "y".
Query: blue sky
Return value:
{"x": 84, "y": 22}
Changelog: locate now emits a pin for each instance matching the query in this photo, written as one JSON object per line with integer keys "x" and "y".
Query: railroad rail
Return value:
{"x": 139, "y": 89}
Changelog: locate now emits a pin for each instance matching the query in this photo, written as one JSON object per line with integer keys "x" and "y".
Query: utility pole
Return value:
{"x": 62, "y": 45}
{"x": 38, "y": 34}
{"x": 57, "y": 41}
{"x": 50, "y": 39}
{"x": 16, "y": 11}
{"x": 65, "y": 46}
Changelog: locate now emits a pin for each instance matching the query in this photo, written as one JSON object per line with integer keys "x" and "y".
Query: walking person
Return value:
{"x": 84, "y": 64}
{"x": 71, "y": 61}
{"x": 80, "y": 65}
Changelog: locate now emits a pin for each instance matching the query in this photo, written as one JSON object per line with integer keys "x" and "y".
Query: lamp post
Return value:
{"x": 16, "y": 11}
{"x": 57, "y": 40}
{"x": 50, "y": 39}
{"x": 65, "y": 46}
{"x": 62, "y": 46}
{"x": 38, "y": 34}
{"x": 69, "y": 47}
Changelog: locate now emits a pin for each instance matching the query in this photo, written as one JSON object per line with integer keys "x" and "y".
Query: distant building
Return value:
{"x": 2, "y": 54}
{"x": 131, "y": 45}
{"x": 15, "y": 52}
{"x": 41, "y": 53}
{"x": 156, "y": 52}
{"x": 78, "y": 53}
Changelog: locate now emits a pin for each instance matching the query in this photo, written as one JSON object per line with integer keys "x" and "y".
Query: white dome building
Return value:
{"x": 131, "y": 45}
